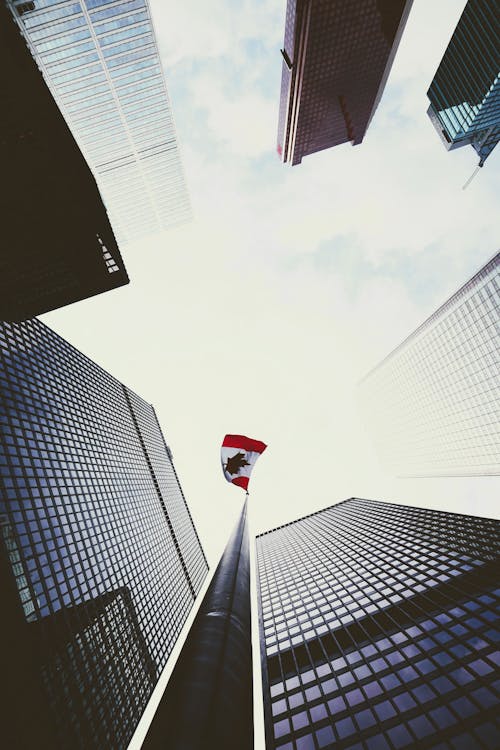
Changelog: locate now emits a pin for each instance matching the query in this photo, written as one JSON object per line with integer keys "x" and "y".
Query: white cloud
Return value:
{"x": 196, "y": 31}
{"x": 242, "y": 122}
{"x": 261, "y": 316}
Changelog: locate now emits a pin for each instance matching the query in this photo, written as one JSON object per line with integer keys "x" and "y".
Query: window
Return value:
{"x": 23, "y": 8}
{"x": 354, "y": 697}
{"x": 306, "y": 743}
{"x": 384, "y": 710}
{"x": 279, "y": 707}
{"x": 365, "y": 719}
{"x": 318, "y": 713}
{"x": 336, "y": 705}
{"x": 442, "y": 717}
{"x": 312, "y": 693}
{"x": 300, "y": 720}
{"x": 463, "y": 707}
{"x": 399, "y": 736}
{"x": 324, "y": 737}
{"x": 377, "y": 742}
{"x": 421, "y": 726}
{"x": 372, "y": 689}
{"x": 281, "y": 727}
{"x": 295, "y": 700}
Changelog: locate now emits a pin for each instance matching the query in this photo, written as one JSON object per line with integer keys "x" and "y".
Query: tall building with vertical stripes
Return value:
{"x": 100, "y": 59}
{"x": 465, "y": 92}
{"x": 337, "y": 57}
{"x": 379, "y": 630}
{"x": 100, "y": 562}
{"x": 432, "y": 405}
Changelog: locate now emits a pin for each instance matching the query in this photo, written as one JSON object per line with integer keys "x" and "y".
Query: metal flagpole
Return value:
{"x": 208, "y": 701}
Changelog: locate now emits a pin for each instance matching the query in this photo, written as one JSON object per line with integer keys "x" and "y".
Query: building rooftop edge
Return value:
{"x": 489, "y": 265}
{"x": 36, "y": 319}
{"x": 378, "y": 502}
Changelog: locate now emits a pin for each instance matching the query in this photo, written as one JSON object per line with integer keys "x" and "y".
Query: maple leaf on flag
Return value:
{"x": 238, "y": 466}
{"x": 235, "y": 463}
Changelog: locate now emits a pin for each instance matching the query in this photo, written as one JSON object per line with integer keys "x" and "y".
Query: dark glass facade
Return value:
{"x": 57, "y": 243}
{"x": 98, "y": 552}
{"x": 379, "y": 630}
{"x": 465, "y": 92}
{"x": 95, "y": 648}
{"x": 336, "y": 61}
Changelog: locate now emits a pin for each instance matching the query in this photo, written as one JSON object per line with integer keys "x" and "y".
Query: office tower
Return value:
{"x": 465, "y": 92}
{"x": 102, "y": 64}
{"x": 432, "y": 404}
{"x": 379, "y": 630}
{"x": 57, "y": 243}
{"x": 336, "y": 60}
{"x": 98, "y": 552}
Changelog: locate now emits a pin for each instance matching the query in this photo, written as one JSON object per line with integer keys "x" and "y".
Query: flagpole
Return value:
{"x": 208, "y": 701}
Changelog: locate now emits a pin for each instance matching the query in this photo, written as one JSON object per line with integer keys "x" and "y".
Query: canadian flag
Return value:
{"x": 238, "y": 456}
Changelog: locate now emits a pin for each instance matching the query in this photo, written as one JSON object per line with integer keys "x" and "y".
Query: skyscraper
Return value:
{"x": 336, "y": 60}
{"x": 379, "y": 630}
{"x": 99, "y": 558}
{"x": 465, "y": 92}
{"x": 432, "y": 404}
{"x": 57, "y": 243}
{"x": 102, "y": 65}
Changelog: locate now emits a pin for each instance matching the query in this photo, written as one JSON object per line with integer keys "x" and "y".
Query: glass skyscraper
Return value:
{"x": 337, "y": 57}
{"x": 379, "y": 630}
{"x": 433, "y": 403}
{"x": 99, "y": 559}
{"x": 101, "y": 62}
{"x": 465, "y": 92}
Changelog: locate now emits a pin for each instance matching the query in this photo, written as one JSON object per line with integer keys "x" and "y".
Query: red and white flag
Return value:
{"x": 238, "y": 456}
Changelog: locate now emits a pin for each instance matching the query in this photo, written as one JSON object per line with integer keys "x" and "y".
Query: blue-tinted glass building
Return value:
{"x": 101, "y": 62}
{"x": 379, "y": 630}
{"x": 465, "y": 92}
{"x": 100, "y": 562}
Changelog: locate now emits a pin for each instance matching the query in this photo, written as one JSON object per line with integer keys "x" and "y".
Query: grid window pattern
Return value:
{"x": 465, "y": 92}
{"x": 101, "y": 62}
{"x": 379, "y": 629}
{"x": 337, "y": 57}
{"x": 80, "y": 657}
{"x": 91, "y": 506}
{"x": 432, "y": 404}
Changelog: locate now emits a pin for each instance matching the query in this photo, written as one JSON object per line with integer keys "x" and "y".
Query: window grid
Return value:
{"x": 95, "y": 531}
{"x": 379, "y": 628}
{"x": 465, "y": 92}
{"x": 432, "y": 404}
{"x": 72, "y": 43}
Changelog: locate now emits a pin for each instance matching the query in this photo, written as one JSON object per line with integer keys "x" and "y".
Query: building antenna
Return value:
{"x": 472, "y": 176}
{"x": 482, "y": 157}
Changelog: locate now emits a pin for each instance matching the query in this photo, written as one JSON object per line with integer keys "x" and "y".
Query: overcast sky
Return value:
{"x": 261, "y": 316}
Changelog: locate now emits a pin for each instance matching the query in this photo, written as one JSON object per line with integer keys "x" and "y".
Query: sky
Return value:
{"x": 261, "y": 316}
